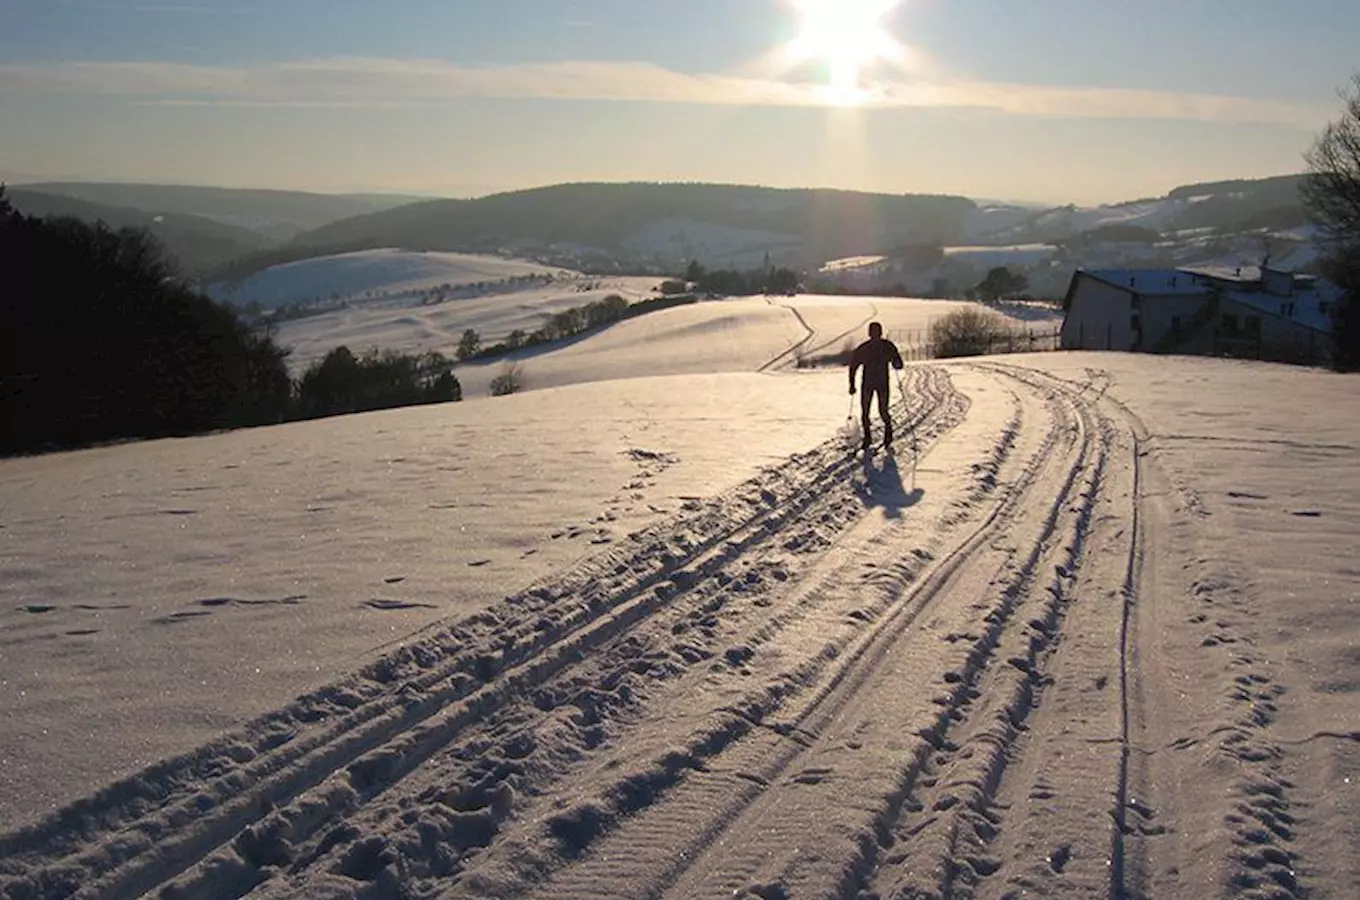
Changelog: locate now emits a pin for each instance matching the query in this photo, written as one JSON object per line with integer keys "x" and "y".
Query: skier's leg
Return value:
{"x": 885, "y": 415}
{"x": 864, "y": 399}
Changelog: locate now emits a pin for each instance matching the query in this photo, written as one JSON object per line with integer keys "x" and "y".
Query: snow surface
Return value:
{"x": 414, "y": 327}
{"x": 1015, "y": 255}
{"x": 664, "y": 636}
{"x": 388, "y": 271}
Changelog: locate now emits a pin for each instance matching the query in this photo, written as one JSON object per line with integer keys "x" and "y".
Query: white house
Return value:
{"x": 1250, "y": 311}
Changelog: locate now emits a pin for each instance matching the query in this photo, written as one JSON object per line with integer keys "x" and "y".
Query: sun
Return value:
{"x": 848, "y": 35}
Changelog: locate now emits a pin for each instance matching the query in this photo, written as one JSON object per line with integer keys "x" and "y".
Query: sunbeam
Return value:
{"x": 848, "y": 36}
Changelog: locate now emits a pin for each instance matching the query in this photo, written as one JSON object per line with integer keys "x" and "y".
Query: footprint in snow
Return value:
{"x": 182, "y": 616}
{"x": 478, "y": 563}
{"x": 36, "y": 608}
{"x": 379, "y": 603}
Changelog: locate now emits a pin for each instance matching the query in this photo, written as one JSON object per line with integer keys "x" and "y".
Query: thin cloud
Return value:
{"x": 396, "y": 82}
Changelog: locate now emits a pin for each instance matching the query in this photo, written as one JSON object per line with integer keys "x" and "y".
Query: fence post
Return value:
{"x": 1081, "y": 336}
{"x": 1109, "y": 336}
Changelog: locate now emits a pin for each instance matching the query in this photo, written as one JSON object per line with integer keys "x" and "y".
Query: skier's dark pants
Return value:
{"x": 866, "y": 396}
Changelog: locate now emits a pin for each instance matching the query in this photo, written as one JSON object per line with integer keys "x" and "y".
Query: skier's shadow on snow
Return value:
{"x": 883, "y": 487}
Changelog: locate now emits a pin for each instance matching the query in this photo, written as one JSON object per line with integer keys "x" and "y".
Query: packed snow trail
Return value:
{"x": 817, "y": 684}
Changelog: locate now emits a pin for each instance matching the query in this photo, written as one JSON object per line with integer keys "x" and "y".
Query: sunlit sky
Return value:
{"x": 1045, "y": 100}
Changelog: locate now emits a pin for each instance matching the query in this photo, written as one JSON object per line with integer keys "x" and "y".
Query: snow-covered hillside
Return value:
{"x": 387, "y": 273}
{"x": 413, "y": 325}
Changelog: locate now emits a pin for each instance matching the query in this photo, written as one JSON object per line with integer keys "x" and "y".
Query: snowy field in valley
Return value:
{"x": 391, "y": 272}
{"x": 1092, "y": 632}
{"x": 413, "y": 327}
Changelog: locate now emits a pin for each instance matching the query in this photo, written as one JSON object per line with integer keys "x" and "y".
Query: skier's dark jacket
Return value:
{"x": 875, "y": 355}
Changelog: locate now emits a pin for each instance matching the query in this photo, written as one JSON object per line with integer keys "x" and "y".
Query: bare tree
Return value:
{"x": 1332, "y": 193}
{"x": 1332, "y": 188}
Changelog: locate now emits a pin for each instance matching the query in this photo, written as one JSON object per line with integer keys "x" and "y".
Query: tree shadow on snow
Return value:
{"x": 883, "y": 487}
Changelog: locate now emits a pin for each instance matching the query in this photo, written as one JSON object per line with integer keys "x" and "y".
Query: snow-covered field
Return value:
{"x": 1096, "y": 635}
{"x": 990, "y": 257}
{"x": 388, "y": 272}
{"x": 412, "y": 327}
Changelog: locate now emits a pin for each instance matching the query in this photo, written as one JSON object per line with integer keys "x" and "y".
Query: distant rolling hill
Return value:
{"x": 197, "y": 244}
{"x": 661, "y": 226}
{"x": 664, "y": 221}
{"x": 274, "y": 215}
{"x": 1228, "y": 207}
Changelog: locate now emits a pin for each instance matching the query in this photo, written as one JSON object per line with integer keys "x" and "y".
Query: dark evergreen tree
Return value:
{"x": 100, "y": 340}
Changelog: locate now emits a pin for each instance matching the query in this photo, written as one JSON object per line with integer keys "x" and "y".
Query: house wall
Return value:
{"x": 1160, "y": 315}
{"x": 1279, "y": 337}
{"x": 1098, "y": 316}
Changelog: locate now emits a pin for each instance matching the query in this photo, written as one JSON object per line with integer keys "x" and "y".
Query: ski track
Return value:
{"x": 816, "y": 684}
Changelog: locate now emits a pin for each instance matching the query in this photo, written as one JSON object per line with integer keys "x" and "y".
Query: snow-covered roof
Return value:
{"x": 1149, "y": 281}
{"x": 1309, "y": 306}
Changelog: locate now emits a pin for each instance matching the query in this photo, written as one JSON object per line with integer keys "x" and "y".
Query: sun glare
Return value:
{"x": 848, "y": 35}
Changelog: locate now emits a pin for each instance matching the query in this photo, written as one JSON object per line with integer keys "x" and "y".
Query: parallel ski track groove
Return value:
{"x": 1118, "y": 880}
{"x": 945, "y": 753}
{"x": 1129, "y": 589}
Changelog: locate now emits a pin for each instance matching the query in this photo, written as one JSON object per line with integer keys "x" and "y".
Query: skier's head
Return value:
{"x": 875, "y": 330}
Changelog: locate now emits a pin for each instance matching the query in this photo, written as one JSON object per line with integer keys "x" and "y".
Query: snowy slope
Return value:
{"x": 388, "y": 272}
{"x": 666, "y": 637}
{"x": 413, "y": 326}
{"x": 738, "y": 335}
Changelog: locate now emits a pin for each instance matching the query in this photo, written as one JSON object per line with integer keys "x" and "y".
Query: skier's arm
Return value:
{"x": 896, "y": 357}
{"x": 855, "y": 362}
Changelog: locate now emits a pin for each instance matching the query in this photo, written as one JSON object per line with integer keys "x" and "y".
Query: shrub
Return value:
{"x": 510, "y": 381}
{"x": 970, "y": 331}
{"x": 469, "y": 345}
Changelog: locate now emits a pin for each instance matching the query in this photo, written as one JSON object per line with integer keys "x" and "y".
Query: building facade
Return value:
{"x": 1250, "y": 312}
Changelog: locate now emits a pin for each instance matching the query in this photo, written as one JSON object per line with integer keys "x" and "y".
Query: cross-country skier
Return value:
{"x": 874, "y": 355}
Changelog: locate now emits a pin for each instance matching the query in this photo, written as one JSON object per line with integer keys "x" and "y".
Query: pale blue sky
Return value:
{"x": 1056, "y": 100}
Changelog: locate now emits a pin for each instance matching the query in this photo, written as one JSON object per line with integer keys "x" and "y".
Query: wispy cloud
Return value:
{"x": 381, "y": 82}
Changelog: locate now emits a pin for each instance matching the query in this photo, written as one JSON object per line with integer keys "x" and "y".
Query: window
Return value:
{"x": 1136, "y": 322}
{"x": 1229, "y": 322}
{"x": 1136, "y": 302}
{"x": 1254, "y": 325}
{"x": 1175, "y": 323}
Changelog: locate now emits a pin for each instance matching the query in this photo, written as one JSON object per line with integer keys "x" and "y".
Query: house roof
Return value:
{"x": 1159, "y": 282}
{"x": 1311, "y": 307}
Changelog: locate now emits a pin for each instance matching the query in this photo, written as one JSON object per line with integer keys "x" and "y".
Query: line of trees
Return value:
{"x": 565, "y": 324}
{"x": 100, "y": 340}
{"x": 734, "y": 283}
